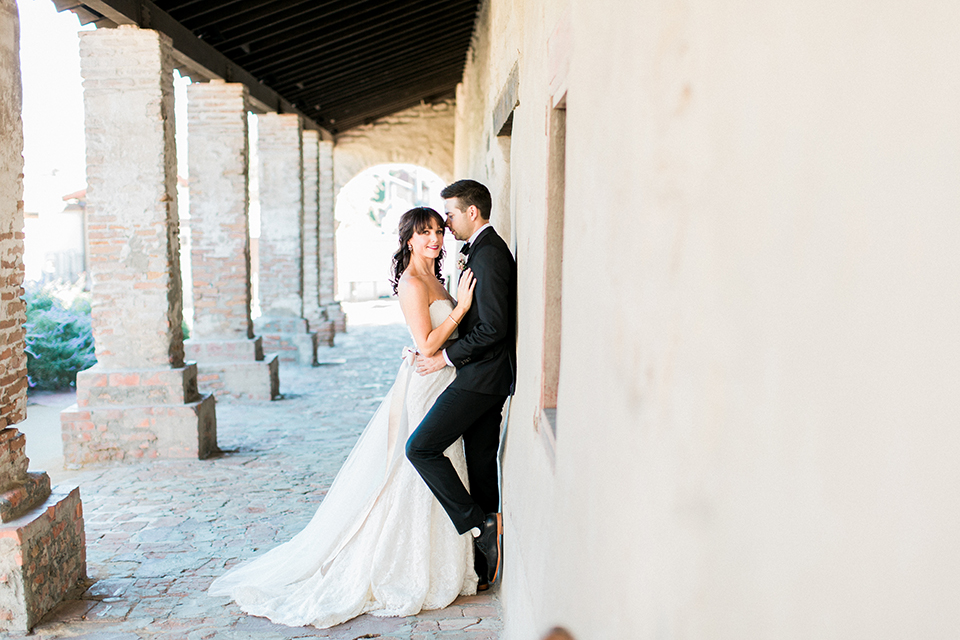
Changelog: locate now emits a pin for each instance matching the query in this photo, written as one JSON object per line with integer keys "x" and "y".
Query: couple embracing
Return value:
{"x": 412, "y": 519}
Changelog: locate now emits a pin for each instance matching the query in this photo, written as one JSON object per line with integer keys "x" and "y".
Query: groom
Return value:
{"x": 485, "y": 358}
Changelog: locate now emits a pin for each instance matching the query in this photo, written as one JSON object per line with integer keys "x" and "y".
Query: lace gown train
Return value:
{"x": 379, "y": 543}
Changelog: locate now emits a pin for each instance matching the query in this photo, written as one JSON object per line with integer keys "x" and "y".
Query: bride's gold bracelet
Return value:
{"x": 454, "y": 321}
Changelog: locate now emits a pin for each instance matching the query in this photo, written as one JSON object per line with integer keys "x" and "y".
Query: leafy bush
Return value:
{"x": 58, "y": 336}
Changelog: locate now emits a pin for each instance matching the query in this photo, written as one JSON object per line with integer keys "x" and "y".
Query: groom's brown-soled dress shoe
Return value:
{"x": 489, "y": 543}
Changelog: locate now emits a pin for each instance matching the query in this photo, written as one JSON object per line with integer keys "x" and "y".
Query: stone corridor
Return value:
{"x": 159, "y": 532}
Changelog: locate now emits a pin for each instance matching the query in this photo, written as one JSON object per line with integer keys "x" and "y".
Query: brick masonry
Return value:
{"x": 42, "y": 554}
{"x": 219, "y": 210}
{"x": 230, "y": 359}
{"x": 282, "y": 325}
{"x": 312, "y": 310}
{"x": 141, "y": 399}
{"x": 327, "y": 237}
{"x": 133, "y": 226}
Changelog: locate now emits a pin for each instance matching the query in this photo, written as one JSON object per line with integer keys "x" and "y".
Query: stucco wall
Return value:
{"x": 758, "y": 392}
{"x": 422, "y": 135}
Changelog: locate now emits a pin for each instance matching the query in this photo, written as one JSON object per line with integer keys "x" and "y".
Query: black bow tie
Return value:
{"x": 465, "y": 249}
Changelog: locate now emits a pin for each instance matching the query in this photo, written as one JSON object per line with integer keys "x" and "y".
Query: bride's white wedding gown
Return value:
{"x": 380, "y": 542}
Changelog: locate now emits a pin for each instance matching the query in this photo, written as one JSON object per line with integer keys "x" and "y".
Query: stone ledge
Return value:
{"x": 205, "y": 352}
{"x": 289, "y": 338}
{"x": 28, "y": 493}
{"x": 258, "y": 380}
{"x": 42, "y": 559}
{"x": 122, "y": 387}
{"x": 131, "y": 433}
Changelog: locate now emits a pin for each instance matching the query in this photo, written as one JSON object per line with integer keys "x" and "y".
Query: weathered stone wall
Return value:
{"x": 140, "y": 400}
{"x": 13, "y": 361}
{"x": 281, "y": 214}
{"x": 42, "y": 553}
{"x": 133, "y": 225}
{"x": 421, "y": 135}
{"x": 43, "y": 558}
{"x": 328, "y": 245}
{"x": 311, "y": 239}
{"x": 219, "y": 205}
{"x": 756, "y": 419}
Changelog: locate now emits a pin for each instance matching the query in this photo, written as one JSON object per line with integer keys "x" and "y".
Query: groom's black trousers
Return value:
{"x": 476, "y": 417}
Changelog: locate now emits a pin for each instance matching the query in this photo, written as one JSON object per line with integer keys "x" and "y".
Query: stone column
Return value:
{"x": 315, "y": 314}
{"x": 282, "y": 325}
{"x": 328, "y": 245}
{"x": 140, "y": 400}
{"x": 229, "y": 357}
{"x": 42, "y": 552}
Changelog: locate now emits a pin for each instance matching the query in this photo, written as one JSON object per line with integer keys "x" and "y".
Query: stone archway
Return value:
{"x": 367, "y": 211}
{"x": 420, "y": 137}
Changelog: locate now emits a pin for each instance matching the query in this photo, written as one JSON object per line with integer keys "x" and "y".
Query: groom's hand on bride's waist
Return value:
{"x": 427, "y": 365}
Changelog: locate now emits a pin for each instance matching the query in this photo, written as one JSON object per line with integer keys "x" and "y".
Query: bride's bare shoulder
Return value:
{"x": 410, "y": 286}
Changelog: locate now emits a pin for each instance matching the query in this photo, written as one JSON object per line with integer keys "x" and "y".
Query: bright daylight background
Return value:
{"x": 367, "y": 209}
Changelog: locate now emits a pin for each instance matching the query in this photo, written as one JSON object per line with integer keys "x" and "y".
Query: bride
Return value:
{"x": 379, "y": 543}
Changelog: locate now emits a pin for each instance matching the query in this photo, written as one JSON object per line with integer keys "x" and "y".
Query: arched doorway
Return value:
{"x": 368, "y": 209}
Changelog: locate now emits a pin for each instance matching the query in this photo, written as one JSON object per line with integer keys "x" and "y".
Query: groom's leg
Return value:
{"x": 481, "y": 443}
{"x": 454, "y": 412}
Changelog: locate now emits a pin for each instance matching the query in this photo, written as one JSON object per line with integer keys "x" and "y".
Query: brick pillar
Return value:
{"x": 315, "y": 314}
{"x": 42, "y": 552}
{"x": 229, "y": 357}
{"x": 328, "y": 245}
{"x": 282, "y": 325}
{"x": 141, "y": 399}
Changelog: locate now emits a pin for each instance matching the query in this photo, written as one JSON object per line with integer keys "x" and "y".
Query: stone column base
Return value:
{"x": 336, "y": 315}
{"x": 289, "y": 338}
{"x": 42, "y": 559}
{"x": 124, "y": 416}
{"x": 235, "y": 369}
{"x": 257, "y": 380}
{"x": 325, "y": 330}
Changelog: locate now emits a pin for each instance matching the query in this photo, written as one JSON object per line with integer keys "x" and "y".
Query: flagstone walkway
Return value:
{"x": 158, "y": 533}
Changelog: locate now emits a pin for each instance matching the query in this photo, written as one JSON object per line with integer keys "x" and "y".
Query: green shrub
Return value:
{"x": 59, "y": 339}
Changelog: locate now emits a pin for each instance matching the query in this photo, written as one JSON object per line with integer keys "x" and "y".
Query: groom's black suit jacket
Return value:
{"x": 485, "y": 354}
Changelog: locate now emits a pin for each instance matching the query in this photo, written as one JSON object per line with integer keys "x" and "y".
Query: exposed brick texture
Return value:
{"x": 280, "y": 149}
{"x": 140, "y": 400}
{"x": 219, "y": 210}
{"x": 328, "y": 245}
{"x": 312, "y": 310}
{"x": 229, "y": 357}
{"x": 132, "y": 197}
{"x": 42, "y": 559}
{"x": 281, "y": 215}
{"x": 42, "y": 555}
{"x": 13, "y": 362}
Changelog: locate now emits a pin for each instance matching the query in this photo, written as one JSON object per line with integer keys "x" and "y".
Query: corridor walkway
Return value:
{"x": 160, "y": 532}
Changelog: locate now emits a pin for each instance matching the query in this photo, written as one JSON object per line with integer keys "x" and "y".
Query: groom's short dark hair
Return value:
{"x": 470, "y": 192}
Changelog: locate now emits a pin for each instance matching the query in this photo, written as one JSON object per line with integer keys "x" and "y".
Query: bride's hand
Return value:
{"x": 465, "y": 291}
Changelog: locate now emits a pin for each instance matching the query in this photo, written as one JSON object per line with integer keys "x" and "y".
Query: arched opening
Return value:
{"x": 368, "y": 209}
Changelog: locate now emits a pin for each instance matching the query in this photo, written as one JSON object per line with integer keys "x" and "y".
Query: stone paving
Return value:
{"x": 159, "y": 532}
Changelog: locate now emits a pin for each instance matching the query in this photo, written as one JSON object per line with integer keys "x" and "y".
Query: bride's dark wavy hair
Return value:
{"x": 415, "y": 221}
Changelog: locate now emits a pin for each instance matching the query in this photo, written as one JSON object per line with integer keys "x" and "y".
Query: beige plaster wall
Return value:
{"x": 422, "y": 135}
{"x": 757, "y": 417}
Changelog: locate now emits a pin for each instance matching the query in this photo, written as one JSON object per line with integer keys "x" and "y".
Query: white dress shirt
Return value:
{"x": 476, "y": 233}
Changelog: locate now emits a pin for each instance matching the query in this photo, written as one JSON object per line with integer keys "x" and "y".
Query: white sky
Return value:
{"x": 52, "y": 105}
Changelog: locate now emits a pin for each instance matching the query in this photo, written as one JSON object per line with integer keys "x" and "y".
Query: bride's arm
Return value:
{"x": 414, "y": 302}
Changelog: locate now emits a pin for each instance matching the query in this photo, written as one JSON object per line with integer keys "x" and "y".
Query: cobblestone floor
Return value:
{"x": 158, "y": 533}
